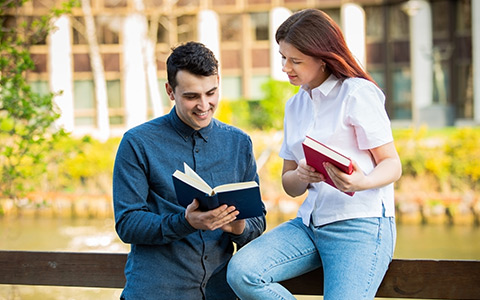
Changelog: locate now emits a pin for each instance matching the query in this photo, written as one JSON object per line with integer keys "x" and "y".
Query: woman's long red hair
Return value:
{"x": 315, "y": 34}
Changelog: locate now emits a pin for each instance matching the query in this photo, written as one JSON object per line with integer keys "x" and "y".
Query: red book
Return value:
{"x": 317, "y": 153}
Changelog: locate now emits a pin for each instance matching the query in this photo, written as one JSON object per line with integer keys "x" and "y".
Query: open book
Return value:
{"x": 317, "y": 153}
{"x": 245, "y": 196}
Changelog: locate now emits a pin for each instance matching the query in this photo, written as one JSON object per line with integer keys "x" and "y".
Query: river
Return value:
{"x": 94, "y": 235}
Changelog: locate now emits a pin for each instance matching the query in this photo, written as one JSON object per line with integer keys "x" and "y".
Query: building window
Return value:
{"x": 440, "y": 18}
{"x": 231, "y": 59}
{"x": 216, "y": 3}
{"x": 464, "y": 105}
{"x": 35, "y": 38}
{"x": 464, "y": 15}
{"x": 84, "y": 103}
{"x": 43, "y": 4}
{"x": 114, "y": 3}
{"x": 402, "y": 95}
{"x": 40, "y": 61}
{"x": 107, "y": 29}
{"x": 193, "y": 3}
{"x": 374, "y": 20}
{"x": 40, "y": 87}
{"x": 230, "y": 28}
{"x": 399, "y": 27}
{"x": 334, "y": 13}
{"x": 257, "y": 83}
{"x": 162, "y": 32}
{"x": 260, "y": 26}
{"x": 78, "y": 26}
{"x": 231, "y": 87}
{"x": 115, "y": 103}
{"x": 111, "y": 62}
{"x": 260, "y": 58}
{"x": 81, "y": 62}
{"x": 186, "y": 26}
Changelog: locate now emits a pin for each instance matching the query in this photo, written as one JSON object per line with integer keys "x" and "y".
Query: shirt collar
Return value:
{"x": 186, "y": 131}
{"x": 326, "y": 87}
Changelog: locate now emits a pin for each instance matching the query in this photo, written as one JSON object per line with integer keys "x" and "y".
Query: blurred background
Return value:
{"x": 74, "y": 76}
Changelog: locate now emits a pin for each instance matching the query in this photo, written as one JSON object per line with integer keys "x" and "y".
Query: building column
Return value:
{"x": 208, "y": 30}
{"x": 353, "y": 27}
{"x": 135, "y": 81}
{"x": 476, "y": 59}
{"x": 61, "y": 71}
{"x": 421, "y": 62}
{"x": 277, "y": 16}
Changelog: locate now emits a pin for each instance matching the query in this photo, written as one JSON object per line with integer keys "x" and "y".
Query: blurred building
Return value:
{"x": 424, "y": 54}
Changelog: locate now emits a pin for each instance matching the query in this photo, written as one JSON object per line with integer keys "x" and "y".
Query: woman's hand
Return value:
{"x": 343, "y": 181}
{"x": 307, "y": 173}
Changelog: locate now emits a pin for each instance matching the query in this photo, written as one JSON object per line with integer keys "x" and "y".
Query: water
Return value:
{"x": 94, "y": 235}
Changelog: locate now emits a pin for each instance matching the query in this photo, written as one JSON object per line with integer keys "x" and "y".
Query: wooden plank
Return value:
{"x": 419, "y": 279}
{"x": 62, "y": 269}
{"x": 432, "y": 279}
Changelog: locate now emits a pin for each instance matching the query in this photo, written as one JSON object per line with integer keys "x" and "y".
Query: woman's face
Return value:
{"x": 300, "y": 68}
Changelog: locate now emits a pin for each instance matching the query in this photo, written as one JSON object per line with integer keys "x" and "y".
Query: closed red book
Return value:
{"x": 317, "y": 153}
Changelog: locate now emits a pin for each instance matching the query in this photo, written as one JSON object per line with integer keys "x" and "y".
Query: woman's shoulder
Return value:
{"x": 358, "y": 83}
{"x": 360, "y": 88}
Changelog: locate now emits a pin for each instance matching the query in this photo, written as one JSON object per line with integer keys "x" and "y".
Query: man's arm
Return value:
{"x": 135, "y": 223}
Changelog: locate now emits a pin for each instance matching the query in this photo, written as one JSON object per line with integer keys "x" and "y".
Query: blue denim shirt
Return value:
{"x": 169, "y": 259}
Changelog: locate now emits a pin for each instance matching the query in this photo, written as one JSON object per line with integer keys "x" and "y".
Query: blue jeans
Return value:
{"x": 354, "y": 254}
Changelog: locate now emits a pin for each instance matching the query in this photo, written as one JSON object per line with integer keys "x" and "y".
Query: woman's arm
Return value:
{"x": 297, "y": 177}
{"x": 388, "y": 169}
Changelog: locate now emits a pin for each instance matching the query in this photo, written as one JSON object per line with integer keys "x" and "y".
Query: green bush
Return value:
{"x": 450, "y": 156}
{"x": 264, "y": 114}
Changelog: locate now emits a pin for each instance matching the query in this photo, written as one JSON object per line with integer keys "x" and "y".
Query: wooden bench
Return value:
{"x": 406, "y": 278}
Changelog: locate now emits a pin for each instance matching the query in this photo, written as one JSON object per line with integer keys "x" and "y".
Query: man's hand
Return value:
{"x": 236, "y": 227}
{"x": 213, "y": 219}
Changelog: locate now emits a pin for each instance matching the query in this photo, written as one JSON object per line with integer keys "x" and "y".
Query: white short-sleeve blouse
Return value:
{"x": 348, "y": 116}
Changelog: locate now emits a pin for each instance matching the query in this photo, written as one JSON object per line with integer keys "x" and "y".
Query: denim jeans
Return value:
{"x": 354, "y": 254}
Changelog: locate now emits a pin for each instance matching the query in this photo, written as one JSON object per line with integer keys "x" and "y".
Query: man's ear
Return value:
{"x": 169, "y": 90}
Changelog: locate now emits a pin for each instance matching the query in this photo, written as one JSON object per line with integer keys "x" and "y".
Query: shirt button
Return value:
{"x": 205, "y": 258}
{"x": 196, "y": 150}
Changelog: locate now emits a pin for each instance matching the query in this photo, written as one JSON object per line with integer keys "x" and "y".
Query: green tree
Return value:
{"x": 268, "y": 112}
{"x": 27, "y": 118}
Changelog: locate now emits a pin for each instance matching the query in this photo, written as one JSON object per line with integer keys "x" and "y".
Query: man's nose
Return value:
{"x": 203, "y": 103}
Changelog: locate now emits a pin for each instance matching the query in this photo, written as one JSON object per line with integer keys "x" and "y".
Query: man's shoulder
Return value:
{"x": 148, "y": 128}
{"x": 230, "y": 129}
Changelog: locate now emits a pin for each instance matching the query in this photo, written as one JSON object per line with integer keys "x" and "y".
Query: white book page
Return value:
{"x": 191, "y": 173}
{"x": 235, "y": 186}
{"x": 193, "y": 182}
{"x": 326, "y": 151}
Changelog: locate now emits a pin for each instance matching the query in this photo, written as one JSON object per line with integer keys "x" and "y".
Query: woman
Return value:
{"x": 351, "y": 237}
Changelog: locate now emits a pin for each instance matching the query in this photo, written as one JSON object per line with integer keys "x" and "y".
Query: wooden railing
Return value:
{"x": 405, "y": 278}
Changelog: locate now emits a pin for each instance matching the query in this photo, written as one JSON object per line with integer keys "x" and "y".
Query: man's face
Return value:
{"x": 196, "y": 98}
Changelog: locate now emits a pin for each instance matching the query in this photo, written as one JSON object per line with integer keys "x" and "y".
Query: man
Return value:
{"x": 179, "y": 253}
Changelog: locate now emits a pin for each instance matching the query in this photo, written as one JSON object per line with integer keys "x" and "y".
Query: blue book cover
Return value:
{"x": 245, "y": 196}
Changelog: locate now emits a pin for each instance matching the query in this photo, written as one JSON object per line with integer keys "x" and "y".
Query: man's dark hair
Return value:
{"x": 193, "y": 57}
